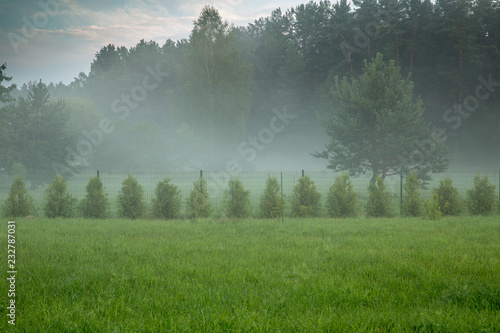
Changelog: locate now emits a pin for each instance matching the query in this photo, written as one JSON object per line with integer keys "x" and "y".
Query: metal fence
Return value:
{"x": 253, "y": 181}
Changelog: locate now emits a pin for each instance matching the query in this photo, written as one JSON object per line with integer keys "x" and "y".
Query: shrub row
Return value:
{"x": 446, "y": 201}
{"x": 341, "y": 200}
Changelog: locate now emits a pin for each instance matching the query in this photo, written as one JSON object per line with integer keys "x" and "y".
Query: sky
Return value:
{"x": 55, "y": 40}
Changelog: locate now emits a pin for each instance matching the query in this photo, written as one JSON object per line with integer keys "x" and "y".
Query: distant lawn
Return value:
{"x": 311, "y": 275}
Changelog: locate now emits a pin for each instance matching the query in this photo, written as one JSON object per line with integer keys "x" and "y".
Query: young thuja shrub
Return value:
{"x": 58, "y": 201}
{"x": 19, "y": 203}
{"x": 95, "y": 204}
{"x": 167, "y": 201}
{"x": 305, "y": 199}
{"x": 271, "y": 203}
{"x": 237, "y": 200}
{"x": 379, "y": 201}
{"x": 341, "y": 199}
{"x": 432, "y": 208}
{"x": 198, "y": 205}
{"x": 412, "y": 203}
{"x": 449, "y": 199}
{"x": 131, "y": 199}
{"x": 481, "y": 198}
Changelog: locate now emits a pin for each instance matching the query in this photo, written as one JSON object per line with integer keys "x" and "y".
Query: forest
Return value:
{"x": 258, "y": 94}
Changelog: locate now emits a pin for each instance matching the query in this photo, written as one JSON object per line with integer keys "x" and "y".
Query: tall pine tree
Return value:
{"x": 379, "y": 126}
{"x": 41, "y": 128}
{"x": 6, "y": 132}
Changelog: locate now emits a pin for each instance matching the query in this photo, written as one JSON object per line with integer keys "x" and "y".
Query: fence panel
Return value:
{"x": 255, "y": 182}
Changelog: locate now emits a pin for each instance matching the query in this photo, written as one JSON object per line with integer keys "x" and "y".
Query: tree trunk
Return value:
{"x": 397, "y": 49}
{"x": 374, "y": 173}
{"x": 348, "y": 51}
{"x": 411, "y": 51}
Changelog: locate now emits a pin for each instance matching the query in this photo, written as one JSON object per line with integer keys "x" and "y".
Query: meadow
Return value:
{"x": 220, "y": 275}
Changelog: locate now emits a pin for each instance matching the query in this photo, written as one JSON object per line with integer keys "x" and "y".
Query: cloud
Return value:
{"x": 128, "y": 24}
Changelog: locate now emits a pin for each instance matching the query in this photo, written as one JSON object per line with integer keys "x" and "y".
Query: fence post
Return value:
{"x": 498, "y": 190}
{"x": 97, "y": 173}
{"x": 201, "y": 173}
{"x": 401, "y": 193}
{"x": 282, "y": 204}
{"x": 302, "y": 173}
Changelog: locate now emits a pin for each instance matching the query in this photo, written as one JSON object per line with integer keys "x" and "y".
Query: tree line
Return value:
{"x": 189, "y": 103}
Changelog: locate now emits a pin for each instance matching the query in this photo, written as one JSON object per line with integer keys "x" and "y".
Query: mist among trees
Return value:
{"x": 189, "y": 104}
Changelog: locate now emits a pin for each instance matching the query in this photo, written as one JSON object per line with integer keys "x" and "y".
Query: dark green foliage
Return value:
{"x": 8, "y": 135}
{"x": 58, "y": 202}
{"x": 221, "y": 75}
{"x": 236, "y": 200}
{"x": 378, "y": 122}
{"x": 412, "y": 203}
{"x": 449, "y": 199}
{"x": 342, "y": 200}
{"x": 19, "y": 203}
{"x": 198, "y": 205}
{"x": 379, "y": 202}
{"x": 5, "y": 91}
{"x": 271, "y": 203}
{"x": 131, "y": 199}
{"x": 40, "y": 134}
{"x": 305, "y": 199}
{"x": 95, "y": 203}
{"x": 481, "y": 198}
{"x": 167, "y": 203}
{"x": 432, "y": 208}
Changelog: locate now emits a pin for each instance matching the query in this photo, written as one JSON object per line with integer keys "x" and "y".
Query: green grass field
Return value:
{"x": 310, "y": 275}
